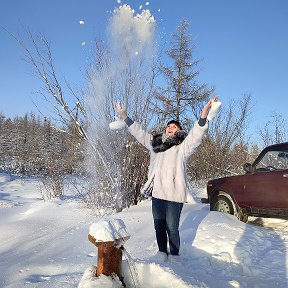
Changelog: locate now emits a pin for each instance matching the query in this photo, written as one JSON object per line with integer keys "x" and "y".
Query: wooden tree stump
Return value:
{"x": 109, "y": 257}
{"x": 109, "y": 236}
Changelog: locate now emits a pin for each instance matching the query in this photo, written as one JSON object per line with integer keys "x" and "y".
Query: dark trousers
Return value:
{"x": 166, "y": 215}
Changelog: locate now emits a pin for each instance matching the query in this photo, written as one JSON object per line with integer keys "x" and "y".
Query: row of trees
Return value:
{"x": 115, "y": 164}
{"x": 31, "y": 145}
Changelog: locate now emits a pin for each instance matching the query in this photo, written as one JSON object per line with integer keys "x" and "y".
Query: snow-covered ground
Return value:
{"x": 45, "y": 244}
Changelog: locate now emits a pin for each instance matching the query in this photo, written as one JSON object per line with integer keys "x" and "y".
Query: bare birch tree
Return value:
{"x": 67, "y": 108}
{"x": 92, "y": 111}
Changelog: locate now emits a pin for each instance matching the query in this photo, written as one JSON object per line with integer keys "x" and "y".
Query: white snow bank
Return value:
{"x": 137, "y": 275}
{"x": 152, "y": 275}
{"x": 233, "y": 247}
{"x": 89, "y": 280}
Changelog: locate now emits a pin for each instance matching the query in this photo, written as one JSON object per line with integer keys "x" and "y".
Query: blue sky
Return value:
{"x": 243, "y": 46}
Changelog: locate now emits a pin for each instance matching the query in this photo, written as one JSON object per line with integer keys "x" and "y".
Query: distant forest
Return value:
{"x": 31, "y": 145}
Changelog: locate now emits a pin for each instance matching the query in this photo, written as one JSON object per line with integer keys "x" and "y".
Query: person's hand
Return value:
{"x": 119, "y": 108}
{"x": 207, "y": 107}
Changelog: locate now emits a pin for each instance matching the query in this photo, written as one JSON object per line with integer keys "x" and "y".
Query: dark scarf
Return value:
{"x": 159, "y": 146}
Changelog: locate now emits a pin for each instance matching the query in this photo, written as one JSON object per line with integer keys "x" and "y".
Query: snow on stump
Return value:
{"x": 109, "y": 236}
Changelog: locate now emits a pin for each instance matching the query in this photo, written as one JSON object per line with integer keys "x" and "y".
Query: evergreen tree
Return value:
{"x": 183, "y": 96}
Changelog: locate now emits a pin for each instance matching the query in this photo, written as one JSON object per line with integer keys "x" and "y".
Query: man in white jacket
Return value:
{"x": 169, "y": 153}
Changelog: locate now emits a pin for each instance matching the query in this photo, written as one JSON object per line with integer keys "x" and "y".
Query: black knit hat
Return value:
{"x": 177, "y": 123}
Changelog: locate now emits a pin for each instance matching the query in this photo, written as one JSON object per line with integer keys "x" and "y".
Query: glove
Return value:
{"x": 214, "y": 110}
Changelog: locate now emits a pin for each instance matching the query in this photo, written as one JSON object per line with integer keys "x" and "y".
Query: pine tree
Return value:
{"x": 183, "y": 96}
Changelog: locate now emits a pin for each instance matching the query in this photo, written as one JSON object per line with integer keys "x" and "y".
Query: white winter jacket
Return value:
{"x": 168, "y": 169}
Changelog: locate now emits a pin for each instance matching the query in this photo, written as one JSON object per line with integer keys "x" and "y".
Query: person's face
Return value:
{"x": 171, "y": 129}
